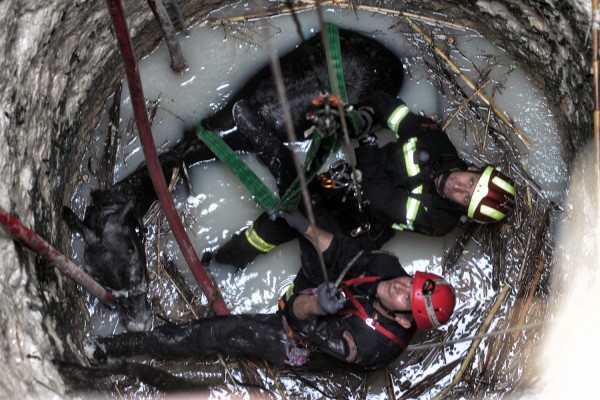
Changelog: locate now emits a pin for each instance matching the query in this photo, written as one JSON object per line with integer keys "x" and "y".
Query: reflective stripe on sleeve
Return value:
{"x": 412, "y": 169}
{"x": 409, "y": 148}
{"x": 412, "y": 209}
{"x": 396, "y": 117}
{"x": 256, "y": 241}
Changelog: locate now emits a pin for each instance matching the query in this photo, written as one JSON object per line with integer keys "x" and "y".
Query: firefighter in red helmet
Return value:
{"x": 366, "y": 321}
{"x": 432, "y": 300}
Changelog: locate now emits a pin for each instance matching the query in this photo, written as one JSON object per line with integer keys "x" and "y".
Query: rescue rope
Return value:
{"x": 427, "y": 346}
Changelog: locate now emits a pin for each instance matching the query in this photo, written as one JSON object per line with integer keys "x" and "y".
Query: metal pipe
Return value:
{"x": 46, "y": 251}
{"x": 158, "y": 179}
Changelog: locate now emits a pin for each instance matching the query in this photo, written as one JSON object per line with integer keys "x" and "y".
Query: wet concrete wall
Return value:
{"x": 61, "y": 61}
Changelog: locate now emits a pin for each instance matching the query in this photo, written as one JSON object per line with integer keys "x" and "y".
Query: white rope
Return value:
{"x": 426, "y": 346}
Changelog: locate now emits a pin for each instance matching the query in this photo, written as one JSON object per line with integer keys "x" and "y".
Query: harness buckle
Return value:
{"x": 370, "y": 323}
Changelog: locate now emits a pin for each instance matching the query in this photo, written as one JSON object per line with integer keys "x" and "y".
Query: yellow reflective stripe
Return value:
{"x": 412, "y": 209}
{"x": 396, "y": 118}
{"x": 256, "y": 241}
{"x": 501, "y": 183}
{"x": 409, "y": 148}
{"x": 399, "y": 227}
{"x": 480, "y": 192}
{"x": 289, "y": 292}
{"x": 492, "y": 213}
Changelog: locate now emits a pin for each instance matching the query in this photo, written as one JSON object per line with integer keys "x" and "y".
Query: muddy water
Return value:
{"x": 220, "y": 59}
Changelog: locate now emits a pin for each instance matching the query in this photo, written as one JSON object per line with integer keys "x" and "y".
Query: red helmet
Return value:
{"x": 493, "y": 197}
{"x": 432, "y": 300}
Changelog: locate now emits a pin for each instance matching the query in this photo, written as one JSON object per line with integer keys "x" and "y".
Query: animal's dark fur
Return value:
{"x": 114, "y": 252}
{"x": 368, "y": 67}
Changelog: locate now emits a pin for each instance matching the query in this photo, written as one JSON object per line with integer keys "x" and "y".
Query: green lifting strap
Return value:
{"x": 316, "y": 156}
{"x": 261, "y": 192}
{"x": 333, "y": 36}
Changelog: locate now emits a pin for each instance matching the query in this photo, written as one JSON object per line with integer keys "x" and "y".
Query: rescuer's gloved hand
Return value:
{"x": 328, "y": 300}
{"x": 296, "y": 220}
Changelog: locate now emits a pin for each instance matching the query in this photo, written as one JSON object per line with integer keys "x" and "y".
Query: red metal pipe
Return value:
{"x": 46, "y": 251}
{"x": 158, "y": 179}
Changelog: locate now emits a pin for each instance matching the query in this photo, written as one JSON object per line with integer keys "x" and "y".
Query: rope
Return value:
{"x": 427, "y": 346}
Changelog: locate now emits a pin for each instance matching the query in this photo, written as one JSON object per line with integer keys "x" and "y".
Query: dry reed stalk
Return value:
{"x": 467, "y": 81}
{"x": 460, "y": 246}
{"x": 342, "y": 5}
{"x": 532, "y": 289}
{"x": 487, "y": 122}
{"x": 161, "y": 15}
{"x": 275, "y": 378}
{"x": 475, "y": 344}
{"x": 363, "y": 389}
{"x": 184, "y": 292}
{"x": 425, "y": 385}
{"x": 228, "y": 372}
{"x": 520, "y": 277}
{"x": 111, "y": 140}
{"x": 86, "y": 313}
{"x": 389, "y": 384}
{"x": 463, "y": 105}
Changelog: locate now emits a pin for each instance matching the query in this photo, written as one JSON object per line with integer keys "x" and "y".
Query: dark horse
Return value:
{"x": 114, "y": 245}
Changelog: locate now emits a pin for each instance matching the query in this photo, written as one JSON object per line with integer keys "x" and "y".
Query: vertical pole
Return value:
{"x": 115, "y": 8}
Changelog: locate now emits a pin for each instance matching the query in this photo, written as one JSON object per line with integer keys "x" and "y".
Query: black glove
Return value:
{"x": 328, "y": 300}
{"x": 296, "y": 220}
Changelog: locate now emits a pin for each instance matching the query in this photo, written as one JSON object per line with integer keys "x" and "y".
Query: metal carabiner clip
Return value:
{"x": 360, "y": 230}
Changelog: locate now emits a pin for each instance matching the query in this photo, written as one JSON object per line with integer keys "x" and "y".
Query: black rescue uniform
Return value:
{"x": 316, "y": 343}
{"x": 368, "y": 340}
{"x": 397, "y": 180}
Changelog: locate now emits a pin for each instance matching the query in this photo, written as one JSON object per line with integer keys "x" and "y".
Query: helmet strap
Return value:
{"x": 441, "y": 183}
{"x": 391, "y": 312}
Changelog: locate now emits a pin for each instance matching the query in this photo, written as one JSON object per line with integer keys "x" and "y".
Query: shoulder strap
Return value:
{"x": 360, "y": 312}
